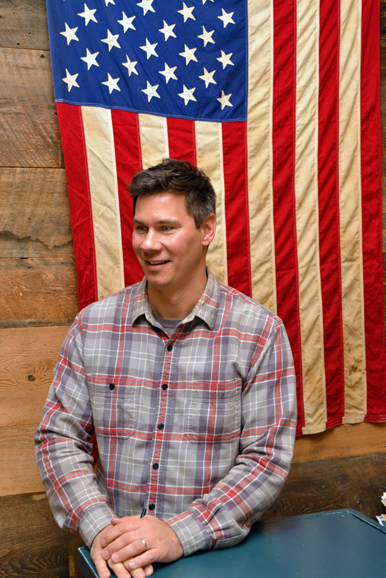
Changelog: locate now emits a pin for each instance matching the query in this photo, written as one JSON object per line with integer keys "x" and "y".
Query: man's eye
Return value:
{"x": 139, "y": 229}
{"x": 166, "y": 228}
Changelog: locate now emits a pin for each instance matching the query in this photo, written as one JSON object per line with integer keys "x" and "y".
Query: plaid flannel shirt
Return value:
{"x": 197, "y": 426}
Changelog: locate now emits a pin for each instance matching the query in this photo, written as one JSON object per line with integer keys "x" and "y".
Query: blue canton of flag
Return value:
{"x": 177, "y": 59}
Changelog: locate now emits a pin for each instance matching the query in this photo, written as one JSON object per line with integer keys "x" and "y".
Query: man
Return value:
{"x": 188, "y": 386}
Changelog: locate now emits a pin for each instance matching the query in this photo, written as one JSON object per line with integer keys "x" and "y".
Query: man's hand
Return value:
{"x": 118, "y": 568}
{"x": 122, "y": 544}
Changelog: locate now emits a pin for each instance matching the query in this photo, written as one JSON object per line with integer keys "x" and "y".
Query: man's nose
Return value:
{"x": 151, "y": 241}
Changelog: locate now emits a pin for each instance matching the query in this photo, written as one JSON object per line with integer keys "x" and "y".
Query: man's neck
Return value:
{"x": 176, "y": 304}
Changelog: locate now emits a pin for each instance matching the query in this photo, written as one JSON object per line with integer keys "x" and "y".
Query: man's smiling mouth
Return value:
{"x": 156, "y": 262}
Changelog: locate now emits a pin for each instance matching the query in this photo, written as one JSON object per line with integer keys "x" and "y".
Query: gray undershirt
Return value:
{"x": 168, "y": 325}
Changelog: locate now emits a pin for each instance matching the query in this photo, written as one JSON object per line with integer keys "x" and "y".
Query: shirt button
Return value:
{"x": 111, "y": 386}
{"x": 155, "y": 466}
{"x": 160, "y": 426}
{"x": 151, "y": 507}
{"x": 170, "y": 347}
{"x": 164, "y": 386}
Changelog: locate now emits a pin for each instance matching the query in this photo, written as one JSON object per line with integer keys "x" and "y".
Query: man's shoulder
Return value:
{"x": 243, "y": 308}
{"x": 112, "y": 307}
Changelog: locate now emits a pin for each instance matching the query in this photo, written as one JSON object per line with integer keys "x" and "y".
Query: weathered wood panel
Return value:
{"x": 31, "y": 543}
{"x": 23, "y": 24}
{"x": 318, "y": 486}
{"x": 35, "y": 215}
{"x": 29, "y": 132}
{"x": 38, "y": 291}
{"x": 343, "y": 441}
{"x": 28, "y": 357}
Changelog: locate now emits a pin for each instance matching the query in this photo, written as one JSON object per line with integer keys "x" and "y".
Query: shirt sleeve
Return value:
{"x": 224, "y": 516}
{"x": 64, "y": 447}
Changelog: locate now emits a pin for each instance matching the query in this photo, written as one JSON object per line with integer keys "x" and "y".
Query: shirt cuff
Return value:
{"x": 190, "y": 532}
{"x": 93, "y": 520}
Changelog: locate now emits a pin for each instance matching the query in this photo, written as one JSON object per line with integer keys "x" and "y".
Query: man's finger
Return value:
{"x": 130, "y": 551}
{"x": 120, "y": 571}
{"x": 101, "y": 568}
{"x": 141, "y": 561}
{"x": 119, "y": 535}
{"x": 142, "y": 572}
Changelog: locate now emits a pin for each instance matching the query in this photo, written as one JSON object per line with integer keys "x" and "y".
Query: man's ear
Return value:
{"x": 208, "y": 228}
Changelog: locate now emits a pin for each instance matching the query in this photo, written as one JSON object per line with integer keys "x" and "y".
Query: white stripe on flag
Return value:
{"x": 209, "y": 154}
{"x": 154, "y": 139}
{"x": 99, "y": 139}
{"x": 307, "y": 214}
{"x": 351, "y": 214}
{"x": 260, "y": 88}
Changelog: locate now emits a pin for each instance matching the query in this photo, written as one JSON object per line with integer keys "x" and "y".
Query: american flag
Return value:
{"x": 278, "y": 102}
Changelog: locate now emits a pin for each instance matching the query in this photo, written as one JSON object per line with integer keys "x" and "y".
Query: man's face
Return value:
{"x": 170, "y": 248}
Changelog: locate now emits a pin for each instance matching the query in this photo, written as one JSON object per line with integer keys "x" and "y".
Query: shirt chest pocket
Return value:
{"x": 214, "y": 415}
{"x": 114, "y": 407}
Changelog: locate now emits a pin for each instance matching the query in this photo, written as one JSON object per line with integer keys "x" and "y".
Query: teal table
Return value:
{"x": 336, "y": 544}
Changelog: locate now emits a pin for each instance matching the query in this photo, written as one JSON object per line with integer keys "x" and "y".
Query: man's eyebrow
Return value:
{"x": 160, "y": 222}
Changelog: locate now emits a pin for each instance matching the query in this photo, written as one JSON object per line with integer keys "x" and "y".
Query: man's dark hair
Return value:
{"x": 178, "y": 178}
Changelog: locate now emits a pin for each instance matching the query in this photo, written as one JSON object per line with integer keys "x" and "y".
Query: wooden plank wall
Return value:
{"x": 343, "y": 467}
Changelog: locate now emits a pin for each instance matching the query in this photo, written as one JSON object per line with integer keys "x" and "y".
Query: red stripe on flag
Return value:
{"x": 129, "y": 161}
{"x": 182, "y": 140}
{"x": 328, "y": 194}
{"x": 234, "y": 143}
{"x": 283, "y": 148}
{"x": 75, "y": 159}
{"x": 372, "y": 214}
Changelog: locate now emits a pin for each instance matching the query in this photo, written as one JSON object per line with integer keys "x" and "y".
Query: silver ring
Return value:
{"x": 144, "y": 544}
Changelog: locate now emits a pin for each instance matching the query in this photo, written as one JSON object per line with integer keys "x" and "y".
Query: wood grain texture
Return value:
{"x": 74, "y": 543}
{"x": 35, "y": 214}
{"x": 318, "y": 486}
{"x": 28, "y": 357}
{"x": 383, "y": 23}
{"x": 23, "y": 24}
{"x": 31, "y": 544}
{"x": 38, "y": 292}
{"x": 29, "y": 131}
{"x": 342, "y": 441}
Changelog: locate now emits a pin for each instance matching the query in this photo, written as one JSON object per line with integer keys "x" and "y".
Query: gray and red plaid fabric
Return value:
{"x": 198, "y": 427}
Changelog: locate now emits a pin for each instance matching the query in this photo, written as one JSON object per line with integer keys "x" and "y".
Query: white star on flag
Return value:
{"x": 168, "y": 73}
{"x": 151, "y": 91}
{"x": 112, "y": 83}
{"x": 186, "y": 12}
{"x": 167, "y": 30}
{"x": 224, "y": 100}
{"x": 126, "y": 22}
{"x": 146, "y": 5}
{"x": 188, "y": 54}
{"x": 88, "y": 15}
{"x": 70, "y": 33}
{"x": 207, "y": 77}
{"x": 149, "y": 49}
{"x": 107, "y": 2}
{"x": 70, "y": 80}
{"x": 225, "y": 59}
{"x": 187, "y": 94}
{"x": 226, "y": 18}
{"x": 203, "y": 1}
{"x": 206, "y": 36}
{"x": 130, "y": 65}
{"x": 90, "y": 59}
{"x": 111, "y": 40}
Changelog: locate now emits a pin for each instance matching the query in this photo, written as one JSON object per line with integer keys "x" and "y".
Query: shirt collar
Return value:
{"x": 206, "y": 307}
